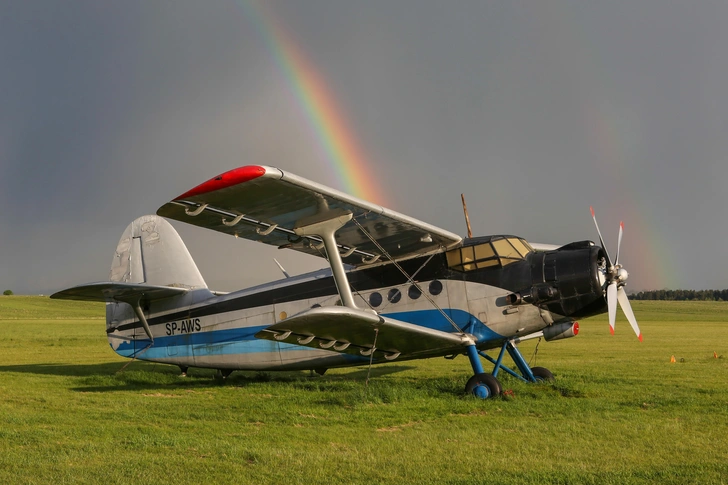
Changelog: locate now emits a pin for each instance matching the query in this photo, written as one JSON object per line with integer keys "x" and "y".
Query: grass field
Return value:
{"x": 619, "y": 411}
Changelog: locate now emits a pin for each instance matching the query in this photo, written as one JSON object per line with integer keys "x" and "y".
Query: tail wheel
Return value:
{"x": 542, "y": 374}
{"x": 483, "y": 386}
{"x": 223, "y": 374}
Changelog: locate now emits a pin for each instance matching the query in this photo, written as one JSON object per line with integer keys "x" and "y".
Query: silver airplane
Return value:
{"x": 396, "y": 288}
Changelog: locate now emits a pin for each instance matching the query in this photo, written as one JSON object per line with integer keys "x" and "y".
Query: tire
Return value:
{"x": 542, "y": 374}
{"x": 476, "y": 384}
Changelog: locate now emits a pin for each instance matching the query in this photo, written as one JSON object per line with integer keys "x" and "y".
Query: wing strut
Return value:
{"x": 325, "y": 225}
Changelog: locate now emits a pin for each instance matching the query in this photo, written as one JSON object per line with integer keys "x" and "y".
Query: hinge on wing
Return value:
{"x": 265, "y": 232}
{"x": 197, "y": 211}
{"x": 282, "y": 335}
{"x": 234, "y": 221}
{"x": 306, "y": 340}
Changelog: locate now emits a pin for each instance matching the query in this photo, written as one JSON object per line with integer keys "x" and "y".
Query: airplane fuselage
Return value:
{"x": 506, "y": 298}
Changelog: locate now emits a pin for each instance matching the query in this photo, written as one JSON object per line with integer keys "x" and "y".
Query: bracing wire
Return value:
{"x": 409, "y": 278}
{"x": 371, "y": 356}
{"x": 535, "y": 351}
{"x": 134, "y": 357}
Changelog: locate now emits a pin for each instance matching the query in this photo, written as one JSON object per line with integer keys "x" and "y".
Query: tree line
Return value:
{"x": 681, "y": 295}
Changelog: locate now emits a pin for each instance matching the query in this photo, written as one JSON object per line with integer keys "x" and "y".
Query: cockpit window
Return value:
{"x": 505, "y": 249}
{"x": 498, "y": 251}
{"x": 484, "y": 251}
{"x": 521, "y": 246}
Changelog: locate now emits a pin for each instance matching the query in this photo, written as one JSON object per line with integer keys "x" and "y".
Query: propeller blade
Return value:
{"x": 601, "y": 240}
{"x": 612, "y": 304}
{"x": 627, "y": 309}
{"x": 619, "y": 241}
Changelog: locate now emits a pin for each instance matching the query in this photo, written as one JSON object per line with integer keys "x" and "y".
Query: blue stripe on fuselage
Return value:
{"x": 242, "y": 340}
{"x": 435, "y": 320}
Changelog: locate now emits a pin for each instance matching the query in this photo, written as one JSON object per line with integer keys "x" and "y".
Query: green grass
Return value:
{"x": 619, "y": 411}
{"x": 34, "y": 307}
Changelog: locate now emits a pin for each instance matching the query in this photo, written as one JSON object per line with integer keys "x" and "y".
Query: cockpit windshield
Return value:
{"x": 488, "y": 252}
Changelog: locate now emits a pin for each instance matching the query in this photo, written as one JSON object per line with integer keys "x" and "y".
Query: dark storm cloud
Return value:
{"x": 535, "y": 110}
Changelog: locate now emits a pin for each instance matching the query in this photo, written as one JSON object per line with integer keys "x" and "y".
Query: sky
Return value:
{"x": 535, "y": 110}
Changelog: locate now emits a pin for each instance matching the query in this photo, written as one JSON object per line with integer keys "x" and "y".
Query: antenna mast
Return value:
{"x": 467, "y": 219}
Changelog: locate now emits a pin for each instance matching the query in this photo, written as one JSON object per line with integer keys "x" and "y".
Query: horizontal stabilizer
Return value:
{"x": 125, "y": 292}
{"x": 351, "y": 331}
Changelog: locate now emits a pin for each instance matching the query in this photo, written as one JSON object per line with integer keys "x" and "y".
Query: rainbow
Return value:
{"x": 596, "y": 94}
{"x": 317, "y": 101}
{"x": 615, "y": 142}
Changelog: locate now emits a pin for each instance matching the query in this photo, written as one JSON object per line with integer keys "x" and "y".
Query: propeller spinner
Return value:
{"x": 614, "y": 279}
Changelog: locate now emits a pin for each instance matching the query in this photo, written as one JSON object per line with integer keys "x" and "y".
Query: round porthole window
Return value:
{"x": 394, "y": 295}
{"x": 414, "y": 292}
{"x": 435, "y": 287}
{"x": 375, "y": 299}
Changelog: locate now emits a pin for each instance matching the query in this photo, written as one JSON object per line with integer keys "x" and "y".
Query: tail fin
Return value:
{"x": 150, "y": 251}
{"x": 150, "y": 263}
{"x": 151, "y": 271}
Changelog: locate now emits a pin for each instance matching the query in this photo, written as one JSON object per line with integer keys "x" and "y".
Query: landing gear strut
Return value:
{"x": 484, "y": 385}
{"x": 481, "y": 385}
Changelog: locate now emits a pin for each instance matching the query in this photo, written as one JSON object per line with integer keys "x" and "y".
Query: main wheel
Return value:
{"x": 542, "y": 374}
{"x": 483, "y": 386}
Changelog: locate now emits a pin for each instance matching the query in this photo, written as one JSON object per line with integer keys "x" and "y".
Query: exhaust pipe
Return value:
{"x": 534, "y": 295}
{"x": 561, "y": 331}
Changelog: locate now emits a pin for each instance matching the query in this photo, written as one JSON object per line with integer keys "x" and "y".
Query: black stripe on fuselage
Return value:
{"x": 512, "y": 277}
{"x": 360, "y": 280}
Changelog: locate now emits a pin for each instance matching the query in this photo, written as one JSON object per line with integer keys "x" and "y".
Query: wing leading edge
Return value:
{"x": 266, "y": 204}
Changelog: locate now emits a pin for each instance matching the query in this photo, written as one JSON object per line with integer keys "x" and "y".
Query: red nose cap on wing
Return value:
{"x": 227, "y": 179}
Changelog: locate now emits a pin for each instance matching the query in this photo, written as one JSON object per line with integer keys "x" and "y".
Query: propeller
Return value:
{"x": 615, "y": 277}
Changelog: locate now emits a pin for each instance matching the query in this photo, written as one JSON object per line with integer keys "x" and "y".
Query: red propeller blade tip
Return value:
{"x": 640, "y": 337}
{"x": 621, "y": 224}
{"x": 592, "y": 210}
{"x": 611, "y": 330}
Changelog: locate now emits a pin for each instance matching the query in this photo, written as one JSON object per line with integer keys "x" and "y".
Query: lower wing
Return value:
{"x": 351, "y": 331}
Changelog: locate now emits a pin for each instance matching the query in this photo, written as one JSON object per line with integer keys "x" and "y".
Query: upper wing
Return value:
{"x": 353, "y": 331}
{"x": 264, "y": 204}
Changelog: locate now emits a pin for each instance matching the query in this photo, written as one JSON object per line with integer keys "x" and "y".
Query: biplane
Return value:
{"x": 395, "y": 289}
